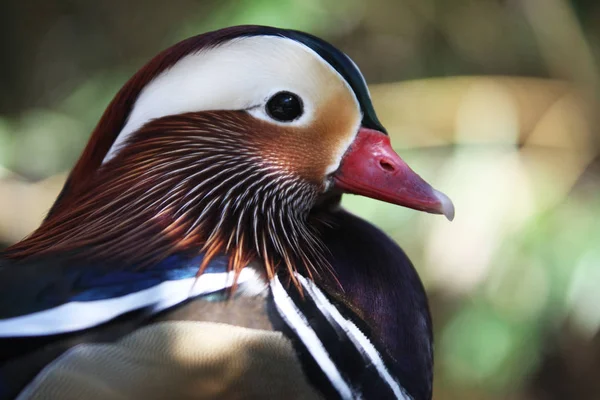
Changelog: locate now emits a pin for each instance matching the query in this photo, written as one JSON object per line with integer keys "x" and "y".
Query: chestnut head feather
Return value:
{"x": 190, "y": 155}
{"x": 224, "y": 143}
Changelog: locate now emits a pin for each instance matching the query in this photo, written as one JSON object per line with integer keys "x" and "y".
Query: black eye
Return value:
{"x": 284, "y": 107}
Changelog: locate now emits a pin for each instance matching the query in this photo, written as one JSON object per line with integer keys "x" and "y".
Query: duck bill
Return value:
{"x": 372, "y": 168}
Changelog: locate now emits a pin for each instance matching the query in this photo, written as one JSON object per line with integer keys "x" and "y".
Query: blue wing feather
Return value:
{"x": 34, "y": 292}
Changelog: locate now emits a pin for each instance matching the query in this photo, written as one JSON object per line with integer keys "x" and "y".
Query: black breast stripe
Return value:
{"x": 298, "y": 328}
{"x": 348, "y": 358}
{"x": 379, "y": 382}
{"x": 360, "y": 372}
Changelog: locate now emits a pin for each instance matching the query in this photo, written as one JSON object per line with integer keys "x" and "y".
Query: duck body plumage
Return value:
{"x": 378, "y": 290}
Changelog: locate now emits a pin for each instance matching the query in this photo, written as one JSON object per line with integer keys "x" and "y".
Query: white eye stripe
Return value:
{"x": 238, "y": 75}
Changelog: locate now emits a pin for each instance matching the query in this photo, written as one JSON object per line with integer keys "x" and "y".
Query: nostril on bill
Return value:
{"x": 386, "y": 165}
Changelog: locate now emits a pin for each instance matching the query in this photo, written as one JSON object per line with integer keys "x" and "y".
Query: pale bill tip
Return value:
{"x": 447, "y": 206}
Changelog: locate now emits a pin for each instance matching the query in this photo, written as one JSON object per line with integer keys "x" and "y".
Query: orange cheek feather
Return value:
{"x": 310, "y": 151}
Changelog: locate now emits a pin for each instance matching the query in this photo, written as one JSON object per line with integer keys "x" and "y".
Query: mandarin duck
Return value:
{"x": 215, "y": 176}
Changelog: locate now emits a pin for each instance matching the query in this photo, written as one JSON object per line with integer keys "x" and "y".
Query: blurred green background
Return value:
{"x": 492, "y": 101}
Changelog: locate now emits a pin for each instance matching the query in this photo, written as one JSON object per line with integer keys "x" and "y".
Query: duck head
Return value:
{"x": 224, "y": 143}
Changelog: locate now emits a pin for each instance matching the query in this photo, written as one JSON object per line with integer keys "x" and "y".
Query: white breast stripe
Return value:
{"x": 356, "y": 336}
{"x": 80, "y": 315}
{"x": 296, "y": 321}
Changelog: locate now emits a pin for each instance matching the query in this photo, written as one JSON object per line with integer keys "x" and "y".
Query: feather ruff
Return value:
{"x": 191, "y": 182}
